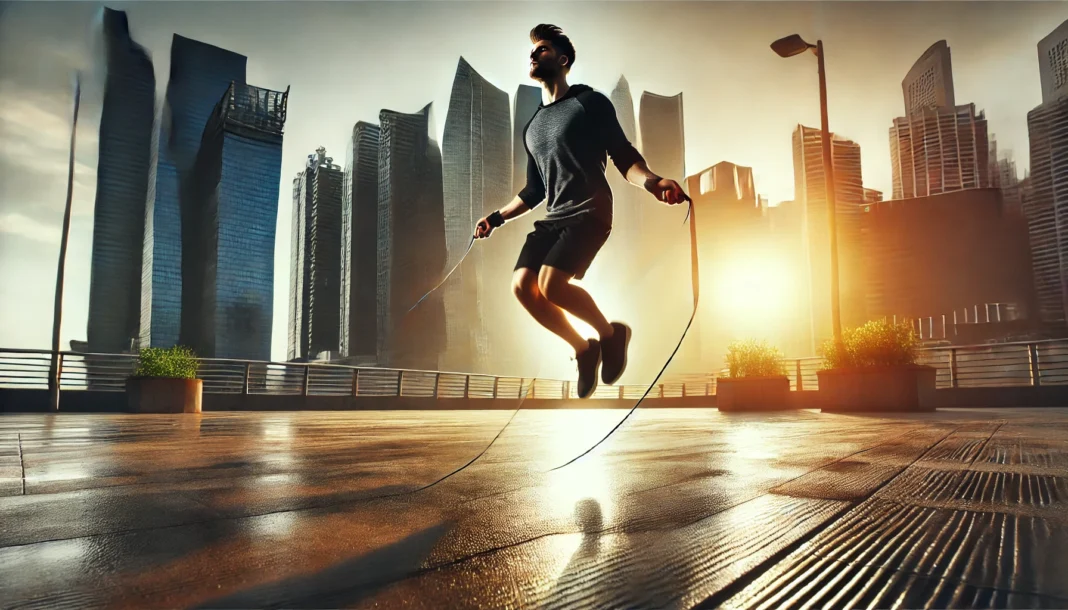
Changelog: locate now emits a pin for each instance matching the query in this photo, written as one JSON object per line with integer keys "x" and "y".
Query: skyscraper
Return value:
{"x": 810, "y": 191}
{"x": 315, "y": 266}
{"x": 660, "y": 119}
{"x": 126, "y": 124}
{"x": 200, "y": 75}
{"x": 411, "y": 242}
{"x": 359, "y": 241}
{"x": 1046, "y": 199}
{"x": 938, "y": 147}
{"x": 627, "y": 201}
{"x": 477, "y": 168}
{"x": 228, "y": 227}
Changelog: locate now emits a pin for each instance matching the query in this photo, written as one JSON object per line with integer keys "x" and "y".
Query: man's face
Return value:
{"x": 545, "y": 63}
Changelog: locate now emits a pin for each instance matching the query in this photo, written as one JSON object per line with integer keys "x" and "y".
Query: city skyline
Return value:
{"x": 594, "y": 67}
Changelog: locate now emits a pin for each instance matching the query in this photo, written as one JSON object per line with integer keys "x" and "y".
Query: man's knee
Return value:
{"x": 552, "y": 282}
{"x": 524, "y": 284}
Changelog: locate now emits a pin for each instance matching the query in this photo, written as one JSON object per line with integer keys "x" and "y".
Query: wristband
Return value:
{"x": 495, "y": 219}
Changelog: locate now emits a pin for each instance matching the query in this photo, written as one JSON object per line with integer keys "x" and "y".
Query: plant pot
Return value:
{"x": 753, "y": 393}
{"x": 891, "y": 388}
{"x": 164, "y": 395}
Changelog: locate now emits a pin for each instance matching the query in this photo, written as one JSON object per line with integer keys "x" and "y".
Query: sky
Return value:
{"x": 345, "y": 61}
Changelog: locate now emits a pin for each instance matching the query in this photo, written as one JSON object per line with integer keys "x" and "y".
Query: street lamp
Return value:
{"x": 788, "y": 47}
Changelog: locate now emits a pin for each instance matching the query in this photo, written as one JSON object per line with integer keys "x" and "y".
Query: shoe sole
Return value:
{"x": 626, "y": 354}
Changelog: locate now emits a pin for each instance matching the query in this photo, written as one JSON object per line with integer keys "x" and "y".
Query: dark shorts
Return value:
{"x": 569, "y": 244}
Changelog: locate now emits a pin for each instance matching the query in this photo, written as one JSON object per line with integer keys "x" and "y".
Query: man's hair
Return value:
{"x": 555, "y": 36}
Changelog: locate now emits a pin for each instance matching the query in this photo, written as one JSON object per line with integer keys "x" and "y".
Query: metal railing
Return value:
{"x": 973, "y": 366}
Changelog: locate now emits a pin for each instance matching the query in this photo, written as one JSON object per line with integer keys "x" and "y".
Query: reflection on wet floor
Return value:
{"x": 678, "y": 508}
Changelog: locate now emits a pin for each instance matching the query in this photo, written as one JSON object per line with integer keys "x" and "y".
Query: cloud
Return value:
{"x": 17, "y": 224}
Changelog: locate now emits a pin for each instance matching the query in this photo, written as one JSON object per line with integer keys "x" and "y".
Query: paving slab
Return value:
{"x": 679, "y": 508}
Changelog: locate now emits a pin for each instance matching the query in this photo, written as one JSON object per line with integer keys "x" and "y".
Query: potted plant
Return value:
{"x": 874, "y": 369}
{"x": 165, "y": 382}
{"x": 756, "y": 381}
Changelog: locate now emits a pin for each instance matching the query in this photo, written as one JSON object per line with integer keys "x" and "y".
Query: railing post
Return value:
{"x": 307, "y": 380}
{"x": 356, "y": 382}
{"x": 248, "y": 373}
{"x": 1036, "y": 372}
{"x": 467, "y": 386}
{"x": 567, "y": 390}
{"x": 800, "y": 380}
{"x": 621, "y": 392}
{"x": 953, "y": 380}
{"x": 684, "y": 389}
{"x": 496, "y": 381}
{"x": 437, "y": 382}
{"x": 661, "y": 390}
{"x": 400, "y": 383}
{"x": 519, "y": 392}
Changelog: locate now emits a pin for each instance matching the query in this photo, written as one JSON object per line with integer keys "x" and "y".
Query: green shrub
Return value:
{"x": 173, "y": 363}
{"x": 754, "y": 359}
{"x": 877, "y": 343}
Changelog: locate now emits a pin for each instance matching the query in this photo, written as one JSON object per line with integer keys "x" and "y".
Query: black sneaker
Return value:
{"x": 588, "y": 362}
{"x": 614, "y": 352}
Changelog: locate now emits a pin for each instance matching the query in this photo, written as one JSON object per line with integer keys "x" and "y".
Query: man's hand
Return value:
{"x": 667, "y": 191}
{"x": 483, "y": 229}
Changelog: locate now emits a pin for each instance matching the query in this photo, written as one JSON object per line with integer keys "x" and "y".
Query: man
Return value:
{"x": 567, "y": 141}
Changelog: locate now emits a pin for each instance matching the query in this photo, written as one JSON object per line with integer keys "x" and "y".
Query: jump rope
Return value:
{"x": 695, "y": 285}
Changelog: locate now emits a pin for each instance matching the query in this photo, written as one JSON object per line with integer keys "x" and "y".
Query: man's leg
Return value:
{"x": 525, "y": 287}
{"x": 556, "y": 285}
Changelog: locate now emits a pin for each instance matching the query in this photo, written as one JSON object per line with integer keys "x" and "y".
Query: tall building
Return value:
{"x": 810, "y": 192}
{"x": 125, "y": 153}
{"x": 477, "y": 174}
{"x": 954, "y": 252}
{"x": 629, "y": 204}
{"x": 939, "y": 146}
{"x": 228, "y": 227}
{"x": 315, "y": 265}
{"x": 1045, "y": 200}
{"x": 872, "y": 196}
{"x": 660, "y": 120}
{"x": 200, "y": 75}
{"x": 411, "y": 242}
{"x": 359, "y": 241}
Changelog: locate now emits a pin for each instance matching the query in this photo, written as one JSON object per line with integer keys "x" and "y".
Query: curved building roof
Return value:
{"x": 930, "y": 81}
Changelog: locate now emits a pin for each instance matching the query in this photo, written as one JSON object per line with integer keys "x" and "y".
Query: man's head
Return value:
{"x": 552, "y": 53}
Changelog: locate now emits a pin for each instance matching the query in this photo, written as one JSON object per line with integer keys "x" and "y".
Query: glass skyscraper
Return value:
{"x": 228, "y": 227}
{"x": 125, "y": 153}
{"x": 411, "y": 242}
{"x": 476, "y": 153}
{"x": 315, "y": 267}
{"x": 200, "y": 75}
{"x": 359, "y": 243}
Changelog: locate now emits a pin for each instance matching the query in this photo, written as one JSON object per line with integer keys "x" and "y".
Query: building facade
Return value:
{"x": 411, "y": 242}
{"x": 228, "y": 228}
{"x": 125, "y": 154}
{"x": 477, "y": 175}
{"x": 954, "y": 252}
{"x": 200, "y": 75}
{"x": 810, "y": 192}
{"x": 315, "y": 263}
{"x": 929, "y": 83}
{"x": 359, "y": 239}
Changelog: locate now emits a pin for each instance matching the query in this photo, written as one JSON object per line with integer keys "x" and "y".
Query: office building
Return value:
{"x": 315, "y": 263}
{"x": 477, "y": 174}
{"x": 228, "y": 228}
{"x": 811, "y": 194}
{"x": 411, "y": 242}
{"x": 125, "y": 153}
{"x": 200, "y": 75}
{"x": 359, "y": 241}
{"x": 939, "y": 146}
{"x": 1045, "y": 200}
{"x": 954, "y": 252}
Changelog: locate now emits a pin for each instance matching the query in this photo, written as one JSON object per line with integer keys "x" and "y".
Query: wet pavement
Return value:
{"x": 680, "y": 508}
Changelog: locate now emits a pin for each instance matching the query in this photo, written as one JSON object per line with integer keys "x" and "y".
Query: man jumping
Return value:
{"x": 566, "y": 142}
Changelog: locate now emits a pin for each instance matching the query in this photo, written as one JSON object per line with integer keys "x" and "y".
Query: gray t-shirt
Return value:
{"x": 567, "y": 142}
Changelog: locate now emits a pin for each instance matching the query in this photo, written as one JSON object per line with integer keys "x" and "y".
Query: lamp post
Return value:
{"x": 788, "y": 47}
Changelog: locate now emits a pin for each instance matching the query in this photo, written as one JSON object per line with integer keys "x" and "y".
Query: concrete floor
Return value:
{"x": 679, "y": 508}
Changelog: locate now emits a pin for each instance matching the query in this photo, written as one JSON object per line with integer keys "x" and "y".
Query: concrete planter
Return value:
{"x": 753, "y": 393}
{"x": 894, "y": 388}
{"x": 164, "y": 395}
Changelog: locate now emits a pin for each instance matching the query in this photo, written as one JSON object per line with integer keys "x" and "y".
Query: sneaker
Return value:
{"x": 614, "y": 352}
{"x": 588, "y": 362}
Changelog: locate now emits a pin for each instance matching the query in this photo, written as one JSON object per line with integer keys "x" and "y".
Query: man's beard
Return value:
{"x": 541, "y": 72}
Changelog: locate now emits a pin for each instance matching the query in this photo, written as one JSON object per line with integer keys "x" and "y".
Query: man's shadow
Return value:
{"x": 576, "y": 576}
